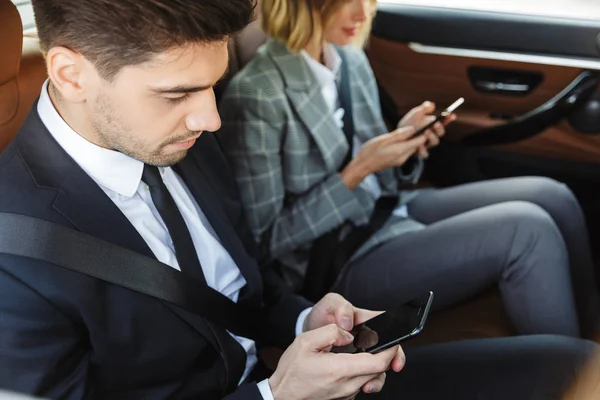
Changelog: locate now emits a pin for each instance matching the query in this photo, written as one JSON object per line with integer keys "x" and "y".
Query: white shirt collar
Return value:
{"x": 112, "y": 170}
{"x": 327, "y": 73}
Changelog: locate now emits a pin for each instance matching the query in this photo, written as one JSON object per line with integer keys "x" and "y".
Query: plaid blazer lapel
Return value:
{"x": 314, "y": 114}
{"x": 304, "y": 94}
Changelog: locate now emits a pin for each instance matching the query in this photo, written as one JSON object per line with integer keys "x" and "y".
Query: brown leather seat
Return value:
{"x": 243, "y": 46}
{"x": 22, "y": 72}
{"x": 481, "y": 317}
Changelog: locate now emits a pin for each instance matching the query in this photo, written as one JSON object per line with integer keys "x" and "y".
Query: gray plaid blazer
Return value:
{"x": 286, "y": 150}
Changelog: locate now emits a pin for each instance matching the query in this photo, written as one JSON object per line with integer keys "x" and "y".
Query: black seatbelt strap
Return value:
{"x": 42, "y": 240}
{"x": 345, "y": 97}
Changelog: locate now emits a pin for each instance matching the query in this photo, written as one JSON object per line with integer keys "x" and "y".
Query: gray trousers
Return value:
{"x": 526, "y": 236}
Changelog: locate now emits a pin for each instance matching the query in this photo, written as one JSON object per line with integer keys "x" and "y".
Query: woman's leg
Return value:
{"x": 520, "y": 368}
{"x": 515, "y": 245}
{"x": 555, "y": 198}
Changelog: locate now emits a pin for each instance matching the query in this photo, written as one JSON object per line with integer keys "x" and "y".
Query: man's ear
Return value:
{"x": 66, "y": 72}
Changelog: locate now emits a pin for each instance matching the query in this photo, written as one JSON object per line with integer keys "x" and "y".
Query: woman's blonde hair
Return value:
{"x": 298, "y": 23}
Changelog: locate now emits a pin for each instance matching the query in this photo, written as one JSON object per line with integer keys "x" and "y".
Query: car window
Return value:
{"x": 26, "y": 11}
{"x": 578, "y": 9}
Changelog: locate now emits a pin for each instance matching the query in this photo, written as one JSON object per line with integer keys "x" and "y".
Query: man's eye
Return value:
{"x": 177, "y": 100}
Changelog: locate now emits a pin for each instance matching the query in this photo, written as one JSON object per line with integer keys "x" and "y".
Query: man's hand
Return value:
{"x": 307, "y": 369}
{"x": 334, "y": 309}
{"x": 384, "y": 151}
{"x": 420, "y": 116}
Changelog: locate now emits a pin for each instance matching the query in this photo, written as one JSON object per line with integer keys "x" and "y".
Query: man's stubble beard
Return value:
{"x": 116, "y": 135}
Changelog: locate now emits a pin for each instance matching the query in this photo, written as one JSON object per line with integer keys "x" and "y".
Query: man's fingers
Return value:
{"x": 375, "y": 385}
{"x": 423, "y": 153}
{"x": 344, "y": 315}
{"x": 324, "y": 338}
{"x": 399, "y": 360}
{"x": 339, "y": 311}
{"x": 364, "y": 364}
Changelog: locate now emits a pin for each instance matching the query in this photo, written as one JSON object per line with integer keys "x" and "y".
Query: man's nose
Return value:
{"x": 204, "y": 118}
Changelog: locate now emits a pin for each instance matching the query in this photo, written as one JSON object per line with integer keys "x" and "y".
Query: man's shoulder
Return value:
{"x": 20, "y": 192}
{"x": 14, "y": 175}
{"x": 21, "y": 195}
{"x": 7, "y": 156}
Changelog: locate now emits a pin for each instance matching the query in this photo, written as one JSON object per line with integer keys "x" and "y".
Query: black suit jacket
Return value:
{"x": 66, "y": 335}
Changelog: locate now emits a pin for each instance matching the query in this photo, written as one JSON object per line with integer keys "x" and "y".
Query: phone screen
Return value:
{"x": 389, "y": 328}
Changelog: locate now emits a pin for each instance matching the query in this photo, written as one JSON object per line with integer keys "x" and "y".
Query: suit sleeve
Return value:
{"x": 42, "y": 350}
{"x": 412, "y": 170}
{"x": 254, "y": 125}
{"x": 281, "y": 318}
{"x": 246, "y": 392}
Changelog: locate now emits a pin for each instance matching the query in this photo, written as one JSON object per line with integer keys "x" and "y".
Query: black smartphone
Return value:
{"x": 389, "y": 328}
{"x": 443, "y": 115}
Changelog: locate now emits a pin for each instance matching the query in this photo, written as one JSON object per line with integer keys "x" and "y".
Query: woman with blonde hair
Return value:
{"x": 319, "y": 176}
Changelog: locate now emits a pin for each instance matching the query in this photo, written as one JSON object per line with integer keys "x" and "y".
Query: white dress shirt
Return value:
{"x": 326, "y": 76}
{"x": 120, "y": 177}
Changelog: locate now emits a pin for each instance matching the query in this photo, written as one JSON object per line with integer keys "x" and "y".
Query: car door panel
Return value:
{"x": 411, "y": 77}
{"x": 407, "y": 52}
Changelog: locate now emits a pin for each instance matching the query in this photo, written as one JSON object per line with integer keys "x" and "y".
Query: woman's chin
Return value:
{"x": 342, "y": 41}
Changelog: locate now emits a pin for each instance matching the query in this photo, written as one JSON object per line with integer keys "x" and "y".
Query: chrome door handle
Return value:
{"x": 503, "y": 87}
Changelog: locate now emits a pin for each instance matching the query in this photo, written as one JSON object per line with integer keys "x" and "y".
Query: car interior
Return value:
{"x": 532, "y": 105}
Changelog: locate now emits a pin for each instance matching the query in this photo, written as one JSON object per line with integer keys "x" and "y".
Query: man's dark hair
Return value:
{"x": 113, "y": 34}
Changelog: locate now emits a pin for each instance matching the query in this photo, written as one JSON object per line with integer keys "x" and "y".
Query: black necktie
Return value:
{"x": 182, "y": 241}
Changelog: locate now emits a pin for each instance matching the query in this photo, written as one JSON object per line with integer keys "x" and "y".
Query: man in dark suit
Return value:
{"x": 115, "y": 148}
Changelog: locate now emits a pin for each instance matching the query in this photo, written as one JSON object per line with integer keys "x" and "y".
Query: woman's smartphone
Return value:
{"x": 443, "y": 115}
{"x": 390, "y": 328}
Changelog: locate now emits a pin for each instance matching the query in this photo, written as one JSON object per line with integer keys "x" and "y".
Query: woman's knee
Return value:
{"x": 529, "y": 216}
{"x": 550, "y": 193}
{"x": 534, "y": 231}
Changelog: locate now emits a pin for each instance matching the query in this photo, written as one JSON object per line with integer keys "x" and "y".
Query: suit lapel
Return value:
{"x": 304, "y": 94}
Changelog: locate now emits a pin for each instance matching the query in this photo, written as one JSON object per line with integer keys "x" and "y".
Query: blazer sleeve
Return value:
{"x": 41, "y": 349}
{"x": 412, "y": 170}
{"x": 254, "y": 124}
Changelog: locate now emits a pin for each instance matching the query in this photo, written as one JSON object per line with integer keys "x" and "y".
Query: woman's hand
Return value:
{"x": 422, "y": 115}
{"x": 384, "y": 151}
